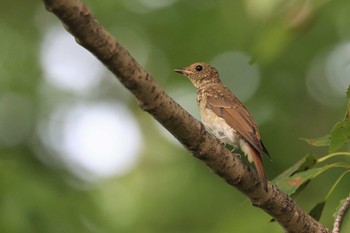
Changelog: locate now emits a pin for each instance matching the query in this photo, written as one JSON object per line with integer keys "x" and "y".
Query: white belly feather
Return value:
{"x": 221, "y": 130}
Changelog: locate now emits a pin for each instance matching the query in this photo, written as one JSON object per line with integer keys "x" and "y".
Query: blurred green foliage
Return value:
{"x": 168, "y": 191}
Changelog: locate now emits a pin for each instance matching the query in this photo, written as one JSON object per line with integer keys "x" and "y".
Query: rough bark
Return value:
{"x": 79, "y": 21}
{"x": 340, "y": 216}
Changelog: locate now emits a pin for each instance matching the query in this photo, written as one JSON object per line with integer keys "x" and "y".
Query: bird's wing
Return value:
{"x": 228, "y": 107}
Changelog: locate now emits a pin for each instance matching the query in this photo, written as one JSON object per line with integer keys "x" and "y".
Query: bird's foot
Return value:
{"x": 233, "y": 151}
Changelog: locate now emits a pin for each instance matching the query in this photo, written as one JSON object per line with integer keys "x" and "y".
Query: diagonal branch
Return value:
{"x": 79, "y": 21}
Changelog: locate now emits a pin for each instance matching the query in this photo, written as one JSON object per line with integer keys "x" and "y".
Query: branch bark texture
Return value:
{"x": 340, "y": 216}
{"x": 79, "y": 21}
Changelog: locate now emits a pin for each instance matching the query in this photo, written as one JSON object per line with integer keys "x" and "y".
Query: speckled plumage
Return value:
{"x": 224, "y": 115}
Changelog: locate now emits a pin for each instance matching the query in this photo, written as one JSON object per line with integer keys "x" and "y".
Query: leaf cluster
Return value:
{"x": 297, "y": 177}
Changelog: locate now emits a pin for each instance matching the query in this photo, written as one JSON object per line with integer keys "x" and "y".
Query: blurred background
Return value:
{"x": 78, "y": 155}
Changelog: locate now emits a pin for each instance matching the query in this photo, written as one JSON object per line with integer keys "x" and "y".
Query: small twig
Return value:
{"x": 340, "y": 215}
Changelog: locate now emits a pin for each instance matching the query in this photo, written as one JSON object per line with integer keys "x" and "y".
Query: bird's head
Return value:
{"x": 200, "y": 74}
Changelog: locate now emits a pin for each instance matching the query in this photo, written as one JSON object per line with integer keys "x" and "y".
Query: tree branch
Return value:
{"x": 341, "y": 215}
{"x": 79, "y": 21}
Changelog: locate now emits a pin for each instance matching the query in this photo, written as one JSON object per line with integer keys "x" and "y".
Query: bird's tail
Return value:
{"x": 256, "y": 157}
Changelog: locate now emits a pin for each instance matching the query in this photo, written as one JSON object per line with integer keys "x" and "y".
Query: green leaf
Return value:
{"x": 340, "y": 135}
{"x": 321, "y": 141}
{"x": 303, "y": 164}
{"x": 316, "y": 212}
{"x": 347, "y": 114}
{"x": 299, "y": 180}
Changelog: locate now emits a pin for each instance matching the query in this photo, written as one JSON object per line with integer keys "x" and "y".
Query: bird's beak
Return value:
{"x": 183, "y": 71}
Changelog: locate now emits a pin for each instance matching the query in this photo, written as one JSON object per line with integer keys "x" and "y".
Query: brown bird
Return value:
{"x": 225, "y": 116}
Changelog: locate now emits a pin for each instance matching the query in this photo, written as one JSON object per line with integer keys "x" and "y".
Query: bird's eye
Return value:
{"x": 199, "y": 68}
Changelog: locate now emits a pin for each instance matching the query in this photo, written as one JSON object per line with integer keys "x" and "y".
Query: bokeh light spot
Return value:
{"x": 338, "y": 69}
{"x": 67, "y": 65}
{"x": 94, "y": 140}
{"x": 328, "y": 75}
{"x": 238, "y": 74}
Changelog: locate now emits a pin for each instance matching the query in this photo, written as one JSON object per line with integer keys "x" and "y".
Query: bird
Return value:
{"x": 224, "y": 115}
